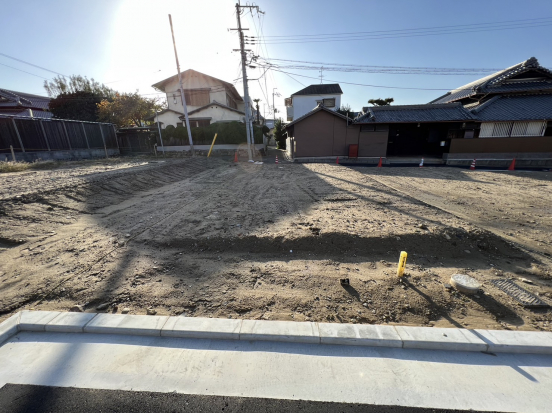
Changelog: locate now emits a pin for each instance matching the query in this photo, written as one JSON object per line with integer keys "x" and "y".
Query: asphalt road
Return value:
{"x": 16, "y": 398}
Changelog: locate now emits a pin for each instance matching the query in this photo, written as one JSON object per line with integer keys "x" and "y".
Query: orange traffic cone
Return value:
{"x": 236, "y": 157}
{"x": 379, "y": 163}
{"x": 422, "y": 163}
{"x": 472, "y": 166}
{"x": 512, "y": 165}
{"x": 276, "y": 158}
{"x": 337, "y": 160}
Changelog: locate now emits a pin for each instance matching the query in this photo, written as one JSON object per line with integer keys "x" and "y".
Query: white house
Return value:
{"x": 208, "y": 99}
{"x": 302, "y": 102}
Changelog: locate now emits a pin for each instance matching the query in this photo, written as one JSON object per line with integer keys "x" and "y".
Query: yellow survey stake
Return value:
{"x": 402, "y": 264}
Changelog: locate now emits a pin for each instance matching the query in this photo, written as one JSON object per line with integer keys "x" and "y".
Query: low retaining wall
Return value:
{"x": 499, "y": 160}
{"x": 218, "y": 150}
{"x": 60, "y": 155}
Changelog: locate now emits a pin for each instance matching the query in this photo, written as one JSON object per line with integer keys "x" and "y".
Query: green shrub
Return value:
{"x": 227, "y": 133}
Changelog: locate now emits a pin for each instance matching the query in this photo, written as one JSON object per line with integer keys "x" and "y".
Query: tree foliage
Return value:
{"x": 345, "y": 110}
{"x": 280, "y": 134}
{"x": 76, "y": 83}
{"x": 78, "y": 105}
{"x": 381, "y": 102}
{"x": 128, "y": 109}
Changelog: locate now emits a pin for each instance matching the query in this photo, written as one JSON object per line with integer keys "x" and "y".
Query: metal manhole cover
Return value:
{"x": 523, "y": 296}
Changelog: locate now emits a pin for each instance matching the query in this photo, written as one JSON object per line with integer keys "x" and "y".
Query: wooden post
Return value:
{"x": 213, "y": 144}
{"x": 45, "y": 136}
{"x": 103, "y": 139}
{"x": 13, "y": 153}
{"x": 85, "y": 137}
{"x": 18, "y": 136}
{"x": 66, "y": 134}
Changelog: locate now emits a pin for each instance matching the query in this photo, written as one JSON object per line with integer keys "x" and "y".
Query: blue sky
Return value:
{"x": 127, "y": 45}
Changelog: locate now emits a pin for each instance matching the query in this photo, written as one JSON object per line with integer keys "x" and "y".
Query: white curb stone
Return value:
{"x": 499, "y": 341}
{"x": 36, "y": 320}
{"x": 359, "y": 335}
{"x": 208, "y": 328}
{"x": 264, "y": 330}
{"x": 126, "y": 324}
{"x": 70, "y": 322}
{"x": 9, "y": 328}
{"x": 454, "y": 339}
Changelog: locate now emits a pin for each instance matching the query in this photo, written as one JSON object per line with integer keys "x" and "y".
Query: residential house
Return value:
{"x": 501, "y": 116}
{"x": 23, "y": 104}
{"x": 208, "y": 100}
{"x": 302, "y": 102}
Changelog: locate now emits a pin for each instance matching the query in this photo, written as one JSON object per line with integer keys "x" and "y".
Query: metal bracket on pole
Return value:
{"x": 18, "y": 136}
{"x": 67, "y": 135}
{"x": 85, "y": 137}
{"x": 45, "y": 136}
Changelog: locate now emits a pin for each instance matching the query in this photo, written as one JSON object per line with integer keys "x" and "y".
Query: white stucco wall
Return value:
{"x": 217, "y": 114}
{"x": 168, "y": 118}
{"x": 303, "y": 104}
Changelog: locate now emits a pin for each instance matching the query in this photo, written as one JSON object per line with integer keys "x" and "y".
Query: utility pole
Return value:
{"x": 258, "y": 113}
{"x": 273, "y": 106}
{"x": 182, "y": 93}
{"x": 248, "y": 124}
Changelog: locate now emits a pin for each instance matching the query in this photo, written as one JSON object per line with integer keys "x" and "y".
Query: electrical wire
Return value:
{"x": 31, "y": 64}
{"x": 24, "y": 71}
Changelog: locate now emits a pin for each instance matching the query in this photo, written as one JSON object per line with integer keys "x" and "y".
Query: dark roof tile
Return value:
{"x": 328, "y": 89}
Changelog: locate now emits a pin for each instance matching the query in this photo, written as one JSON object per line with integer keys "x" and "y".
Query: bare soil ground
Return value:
{"x": 205, "y": 237}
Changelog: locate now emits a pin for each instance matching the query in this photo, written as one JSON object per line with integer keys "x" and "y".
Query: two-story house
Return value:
{"x": 208, "y": 100}
{"x": 302, "y": 102}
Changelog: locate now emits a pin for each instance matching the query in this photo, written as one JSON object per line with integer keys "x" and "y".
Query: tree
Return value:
{"x": 79, "y": 106}
{"x": 280, "y": 134}
{"x": 76, "y": 97}
{"x": 381, "y": 102}
{"x": 345, "y": 110}
{"x": 128, "y": 109}
{"x": 76, "y": 83}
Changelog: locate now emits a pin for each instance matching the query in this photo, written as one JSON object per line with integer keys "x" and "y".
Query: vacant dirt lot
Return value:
{"x": 211, "y": 238}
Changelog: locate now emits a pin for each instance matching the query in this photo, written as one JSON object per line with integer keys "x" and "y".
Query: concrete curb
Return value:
{"x": 428, "y": 338}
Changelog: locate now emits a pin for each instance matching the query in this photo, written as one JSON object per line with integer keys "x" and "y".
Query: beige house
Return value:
{"x": 208, "y": 99}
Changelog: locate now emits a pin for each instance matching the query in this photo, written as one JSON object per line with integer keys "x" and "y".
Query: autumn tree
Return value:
{"x": 128, "y": 109}
{"x": 76, "y": 97}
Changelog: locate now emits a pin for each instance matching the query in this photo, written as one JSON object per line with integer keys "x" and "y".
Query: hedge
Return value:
{"x": 227, "y": 133}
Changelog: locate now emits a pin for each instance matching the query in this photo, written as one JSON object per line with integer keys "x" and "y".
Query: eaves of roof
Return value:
{"x": 315, "y": 110}
{"x": 214, "y": 102}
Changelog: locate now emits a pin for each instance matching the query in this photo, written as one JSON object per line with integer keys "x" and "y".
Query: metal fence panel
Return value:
{"x": 76, "y": 135}
{"x": 109, "y": 136}
{"x": 8, "y": 136}
{"x": 31, "y": 135}
{"x": 56, "y": 135}
{"x": 94, "y": 135}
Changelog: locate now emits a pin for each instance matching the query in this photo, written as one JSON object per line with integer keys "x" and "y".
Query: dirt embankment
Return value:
{"x": 210, "y": 238}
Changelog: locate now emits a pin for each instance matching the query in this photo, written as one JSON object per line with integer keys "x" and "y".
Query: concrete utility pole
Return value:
{"x": 273, "y": 106}
{"x": 182, "y": 93}
{"x": 258, "y": 113}
{"x": 248, "y": 125}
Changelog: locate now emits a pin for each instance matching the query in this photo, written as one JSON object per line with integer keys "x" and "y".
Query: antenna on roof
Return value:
{"x": 321, "y": 73}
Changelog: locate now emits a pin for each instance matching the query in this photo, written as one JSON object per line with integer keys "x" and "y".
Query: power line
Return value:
{"x": 413, "y": 29}
{"x": 31, "y": 64}
{"x": 362, "y": 84}
{"x": 254, "y": 41}
{"x": 24, "y": 71}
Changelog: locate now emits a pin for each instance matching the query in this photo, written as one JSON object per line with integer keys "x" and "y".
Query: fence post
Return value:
{"x": 67, "y": 135}
{"x": 45, "y": 136}
{"x": 115, "y": 133}
{"x": 13, "y": 153}
{"x": 18, "y": 136}
{"x": 103, "y": 139}
{"x": 85, "y": 137}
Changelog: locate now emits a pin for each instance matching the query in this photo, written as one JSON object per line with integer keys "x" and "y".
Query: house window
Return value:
{"x": 329, "y": 103}
{"x": 231, "y": 102}
{"x": 507, "y": 129}
{"x": 290, "y": 118}
{"x": 199, "y": 123}
{"x": 196, "y": 97}
{"x": 179, "y": 124}
{"x": 288, "y": 102}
